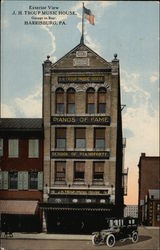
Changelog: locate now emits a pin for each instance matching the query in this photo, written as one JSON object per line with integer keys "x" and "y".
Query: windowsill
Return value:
{"x": 13, "y": 157}
{"x": 78, "y": 182}
{"x": 13, "y": 189}
{"x": 98, "y": 182}
{"x": 33, "y": 157}
{"x": 99, "y": 149}
{"x": 60, "y": 149}
{"x": 60, "y": 183}
{"x": 79, "y": 149}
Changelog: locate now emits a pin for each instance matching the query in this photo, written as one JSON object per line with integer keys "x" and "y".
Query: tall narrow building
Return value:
{"x": 83, "y": 151}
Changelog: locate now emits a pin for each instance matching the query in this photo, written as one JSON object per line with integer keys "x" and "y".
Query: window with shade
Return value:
{"x": 98, "y": 171}
{"x": 99, "y": 141}
{"x": 60, "y": 138}
{"x": 79, "y": 168}
{"x": 33, "y": 148}
{"x": 13, "y": 180}
{"x": 13, "y": 148}
{"x": 60, "y": 101}
{"x": 60, "y": 170}
{"x": 80, "y": 138}
{"x": 70, "y": 101}
{"x": 101, "y": 101}
{"x": 90, "y": 101}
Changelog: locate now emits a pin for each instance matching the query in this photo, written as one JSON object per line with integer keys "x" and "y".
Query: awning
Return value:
{"x": 77, "y": 209}
{"x": 18, "y": 207}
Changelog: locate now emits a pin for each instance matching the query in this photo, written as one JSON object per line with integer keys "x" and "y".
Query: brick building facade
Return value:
{"x": 149, "y": 179}
{"x": 21, "y": 174}
{"x": 83, "y": 146}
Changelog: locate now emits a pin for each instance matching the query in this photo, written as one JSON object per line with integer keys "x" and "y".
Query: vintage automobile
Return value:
{"x": 117, "y": 229}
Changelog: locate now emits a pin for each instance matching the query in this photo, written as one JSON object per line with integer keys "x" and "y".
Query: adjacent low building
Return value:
{"x": 21, "y": 174}
{"x": 149, "y": 194}
{"x": 151, "y": 208}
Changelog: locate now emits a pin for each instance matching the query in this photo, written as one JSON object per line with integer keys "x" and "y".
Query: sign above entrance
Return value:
{"x": 80, "y": 154}
{"x": 80, "y": 120}
{"x": 80, "y": 192}
{"x": 81, "y": 79}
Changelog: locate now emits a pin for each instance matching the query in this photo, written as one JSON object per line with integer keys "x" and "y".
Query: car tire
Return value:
{"x": 110, "y": 240}
{"x": 95, "y": 240}
{"x": 135, "y": 237}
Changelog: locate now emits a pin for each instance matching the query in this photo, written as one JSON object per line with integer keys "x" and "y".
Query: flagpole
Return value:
{"x": 82, "y": 37}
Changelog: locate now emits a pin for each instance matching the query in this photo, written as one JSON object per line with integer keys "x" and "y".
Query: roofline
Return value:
{"x": 147, "y": 157}
{"x": 80, "y": 44}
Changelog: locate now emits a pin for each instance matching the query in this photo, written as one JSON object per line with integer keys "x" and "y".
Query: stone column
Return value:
{"x": 69, "y": 172}
{"x": 88, "y": 172}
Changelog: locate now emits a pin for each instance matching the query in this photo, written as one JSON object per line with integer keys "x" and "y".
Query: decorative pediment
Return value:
{"x": 81, "y": 57}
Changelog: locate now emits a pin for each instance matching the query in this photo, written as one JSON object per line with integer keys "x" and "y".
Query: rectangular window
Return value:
{"x": 100, "y": 138}
{"x": 13, "y": 180}
{"x": 80, "y": 138}
{"x": 13, "y": 148}
{"x": 33, "y": 180}
{"x": 101, "y": 108}
{"x": 61, "y": 138}
{"x": 90, "y": 108}
{"x": 71, "y": 108}
{"x": 60, "y": 169}
{"x": 60, "y": 108}
{"x": 79, "y": 168}
{"x": 98, "y": 171}
{"x": 1, "y": 147}
{"x": 33, "y": 148}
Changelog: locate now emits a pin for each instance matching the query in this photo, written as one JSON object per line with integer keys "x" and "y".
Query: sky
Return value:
{"x": 128, "y": 28}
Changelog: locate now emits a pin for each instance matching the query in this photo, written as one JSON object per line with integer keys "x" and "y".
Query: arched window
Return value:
{"x": 101, "y": 100}
{"x": 60, "y": 101}
{"x": 90, "y": 103}
{"x": 70, "y": 101}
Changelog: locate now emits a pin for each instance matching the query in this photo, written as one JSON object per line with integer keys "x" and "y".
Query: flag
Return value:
{"x": 88, "y": 15}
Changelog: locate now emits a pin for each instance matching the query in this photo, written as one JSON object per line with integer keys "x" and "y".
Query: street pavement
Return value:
{"x": 148, "y": 240}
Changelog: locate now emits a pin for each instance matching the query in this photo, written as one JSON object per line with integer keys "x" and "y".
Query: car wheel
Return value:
{"x": 95, "y": 240}
{"x": 134, "y": 237}
{"x": 110, "y": 240}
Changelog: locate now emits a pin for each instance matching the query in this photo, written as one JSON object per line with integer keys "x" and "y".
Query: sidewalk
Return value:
{"x": 45, "y": 236}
